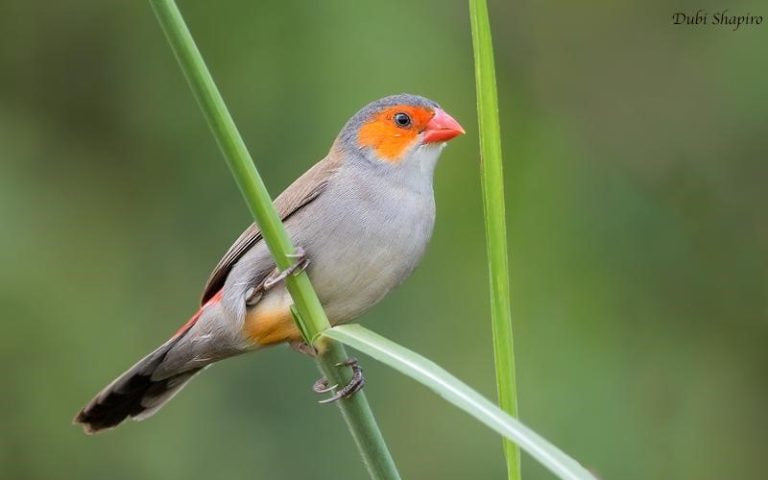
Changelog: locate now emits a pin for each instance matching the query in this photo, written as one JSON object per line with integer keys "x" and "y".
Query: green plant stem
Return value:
{"x": 492, "y": 178}
{"x": 310, "y": 317}
{"x": 456, "y": 392}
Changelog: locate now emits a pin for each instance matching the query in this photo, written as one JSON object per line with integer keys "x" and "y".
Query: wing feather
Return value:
{"x": 299, "y": 194}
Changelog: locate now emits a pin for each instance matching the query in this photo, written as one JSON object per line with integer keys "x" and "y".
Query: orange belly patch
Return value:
{"x": 267, "y": 327}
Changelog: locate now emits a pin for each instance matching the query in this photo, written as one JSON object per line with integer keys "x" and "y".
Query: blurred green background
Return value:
{"x": 636, "y": 171}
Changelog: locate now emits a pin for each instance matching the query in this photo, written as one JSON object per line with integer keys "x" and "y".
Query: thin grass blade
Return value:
{"x": 458, "y": 393}
{"x": 492, "y": 179}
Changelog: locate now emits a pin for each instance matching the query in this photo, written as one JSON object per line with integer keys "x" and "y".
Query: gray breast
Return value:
{"x": 364, "y": 236}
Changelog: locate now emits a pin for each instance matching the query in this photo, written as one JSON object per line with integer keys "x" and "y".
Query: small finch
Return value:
{"x": 361, "y": 219}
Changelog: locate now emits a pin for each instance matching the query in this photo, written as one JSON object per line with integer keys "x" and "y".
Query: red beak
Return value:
{"x": 441, "y": 128}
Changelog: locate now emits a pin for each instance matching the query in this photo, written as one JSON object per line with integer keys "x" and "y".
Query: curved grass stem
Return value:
{"x": 458, "y": 393}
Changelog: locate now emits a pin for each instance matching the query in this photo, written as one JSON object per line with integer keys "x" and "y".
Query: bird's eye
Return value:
{"x": 402, "y": 119}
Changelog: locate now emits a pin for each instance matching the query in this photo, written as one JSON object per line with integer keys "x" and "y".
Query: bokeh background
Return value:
{"x": 635, "y": 156}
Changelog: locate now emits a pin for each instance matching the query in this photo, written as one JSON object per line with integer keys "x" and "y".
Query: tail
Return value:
{"x": 144, "y": 388}
{"x": 135, "y": 394}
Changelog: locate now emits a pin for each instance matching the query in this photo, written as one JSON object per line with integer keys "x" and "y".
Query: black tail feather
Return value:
{"x": 134, "y": 394}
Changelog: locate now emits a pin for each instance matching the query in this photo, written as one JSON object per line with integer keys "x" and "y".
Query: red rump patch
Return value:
{"x": 184, "y": 328}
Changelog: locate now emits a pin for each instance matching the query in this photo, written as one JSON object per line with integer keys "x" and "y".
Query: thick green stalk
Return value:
{"x": 456, "y": 392}
{"x": 492, "y": 178}
{"x": 310, "y": 317}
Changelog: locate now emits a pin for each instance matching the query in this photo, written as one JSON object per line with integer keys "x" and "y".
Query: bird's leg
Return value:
{"x": 253, "y": 295}
{"x": 354, "y": 385}
{"x": 301, "y": 262}
{"x": 303, "y": 347}
{"x": 321, "y": 386}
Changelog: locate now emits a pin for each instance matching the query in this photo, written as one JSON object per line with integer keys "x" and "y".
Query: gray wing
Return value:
{"x": 299, "y": 194}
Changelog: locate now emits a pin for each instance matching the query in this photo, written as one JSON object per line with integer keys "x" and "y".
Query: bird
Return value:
{"x": 361, "y": 219}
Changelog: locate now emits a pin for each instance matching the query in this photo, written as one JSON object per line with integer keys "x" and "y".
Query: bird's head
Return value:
{"x": 394, "y": 129}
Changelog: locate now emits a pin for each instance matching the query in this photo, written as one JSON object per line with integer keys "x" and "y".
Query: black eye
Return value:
{"x": 402, "y": 119}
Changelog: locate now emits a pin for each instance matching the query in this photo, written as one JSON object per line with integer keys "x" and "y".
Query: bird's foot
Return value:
{"x": 301, "y": 262}
{"x": 303, "y": 347}
{"x": 355, "y": 384}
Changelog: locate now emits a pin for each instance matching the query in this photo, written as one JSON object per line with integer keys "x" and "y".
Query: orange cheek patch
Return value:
{"x": 387, "y": 139}
{"x": 389, "y": 142}
{"x": 270, "y": 327}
